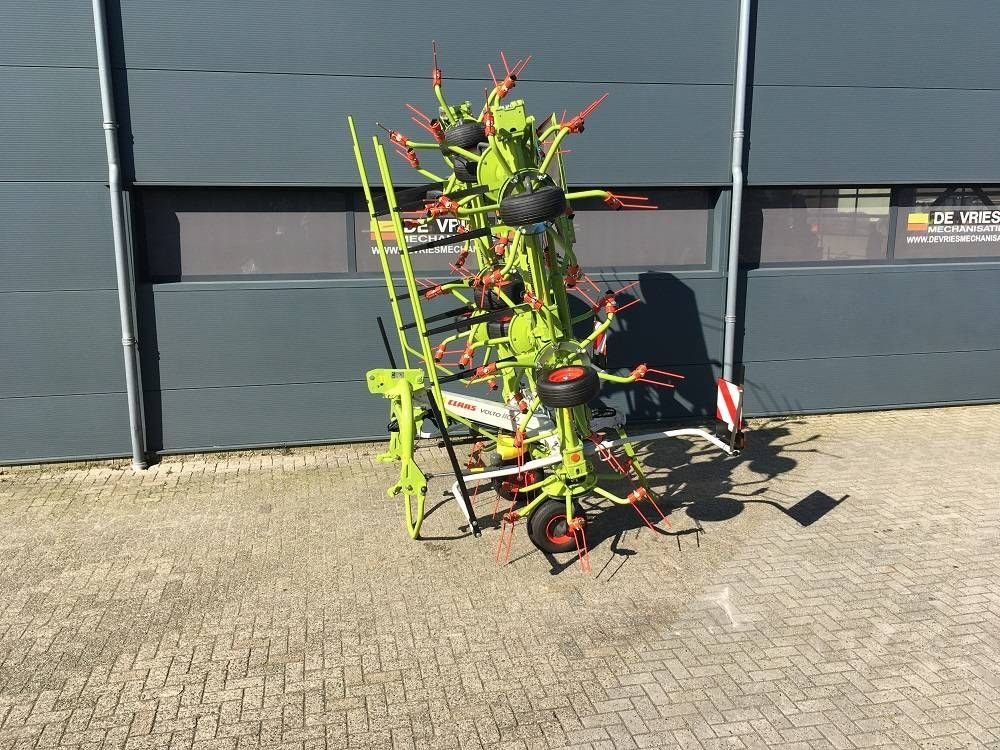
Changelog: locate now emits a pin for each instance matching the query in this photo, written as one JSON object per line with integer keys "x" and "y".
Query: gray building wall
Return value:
{"x": 226, "y": 93}
{"x": 860, "y": 93}
{"x": 61, "y": 373}
{"x": 255, "y": 93}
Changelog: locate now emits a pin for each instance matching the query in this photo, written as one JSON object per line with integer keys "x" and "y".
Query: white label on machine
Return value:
{"x": 729, "y": 404}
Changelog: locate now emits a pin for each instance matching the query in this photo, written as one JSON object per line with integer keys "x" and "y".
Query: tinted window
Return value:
{"x": 199, "y": 233}
{"x": 813, "y": 225}
{"x": 674, "y": 235}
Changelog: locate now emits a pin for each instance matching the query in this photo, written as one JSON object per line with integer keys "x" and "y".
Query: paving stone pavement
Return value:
{"x": 836, "y": 586}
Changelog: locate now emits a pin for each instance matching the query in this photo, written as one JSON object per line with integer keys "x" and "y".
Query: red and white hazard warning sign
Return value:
{"x": 729, "y": 404}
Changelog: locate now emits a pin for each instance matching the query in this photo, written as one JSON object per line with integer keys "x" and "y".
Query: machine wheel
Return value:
{"x": 547, "y": 526}
{"x": 524, "y": 209}
{"x": 498, "y": 329}
{"x": 465, "y": 170}
{"x": 567, "y": 386}
{"x": 467, "y": 134}
{"x": 514, "y": 288}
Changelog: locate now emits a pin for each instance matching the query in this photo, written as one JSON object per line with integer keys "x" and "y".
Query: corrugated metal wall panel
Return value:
{"x": 51, "y": 125}
{"x": 47, "y": 33}
{"x": 60, "y": 343}
{"x": 804, "y": 135}
{"x": 196, "y": 127}
{"x": 890, "y": 43}
{"x": 821, "y": 341}
{"x": 207, "y": 418}
{"x": 264, "y": 336}
{"x": 868, "y": 312}
{"x": 687, "y": 41}
{"x": 206, "y": 345}
{"x": 56, "y": 235}
{"x": 63, "y": 427}
{"x": 855, "y": 92}
{"x": 61, "y": 372}
{"x": 876, "y": 382}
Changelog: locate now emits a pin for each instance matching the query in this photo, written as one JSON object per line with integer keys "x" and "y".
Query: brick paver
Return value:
{"x": 834, "y": 587}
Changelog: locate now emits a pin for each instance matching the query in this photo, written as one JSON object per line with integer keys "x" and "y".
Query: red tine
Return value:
{"x": 503, "y": 59}
{"x": 654, "y": 382}
{"x": 625, "y": 288}
{"x": 593, "y": 105}
{"x": 586, "y": 296}
{"x": 492, "y": 74}
{"x": 580, "y": 538}
{"x": 667, "y": 373}
{"x": 417, "y": 112}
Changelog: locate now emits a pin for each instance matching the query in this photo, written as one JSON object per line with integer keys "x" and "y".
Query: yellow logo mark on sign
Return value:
{"x": 385, "y": 230}
{"x": 917, "y": 222}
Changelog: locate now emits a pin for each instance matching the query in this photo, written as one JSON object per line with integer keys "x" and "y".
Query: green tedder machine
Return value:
{"x": 507, "y": 325}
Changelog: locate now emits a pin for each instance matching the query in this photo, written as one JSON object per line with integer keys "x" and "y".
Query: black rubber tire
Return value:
{"x": 568, "y": 386}
{"x": 547, "y": 526}
{"x": 498, "y": 329}
{"x": 545, "y": 204}
{"x": 465, "y": 170}
{"x": 503, "y": 486}
{"x": 467, "y": 134}
{"x": 514, "y": 288}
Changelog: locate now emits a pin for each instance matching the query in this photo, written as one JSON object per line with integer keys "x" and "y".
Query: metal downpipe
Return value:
{"x": 736, "y": 204}
{"x": 123, "y": 266}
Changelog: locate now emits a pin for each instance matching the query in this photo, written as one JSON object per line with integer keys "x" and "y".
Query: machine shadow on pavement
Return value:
{"x": 691, "y": 494}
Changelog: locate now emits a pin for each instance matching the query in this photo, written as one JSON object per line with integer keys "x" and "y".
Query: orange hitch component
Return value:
{"x": 441, "y": 207}
{"x": 522, "y": 405}
{"x": 489, "y": 124}
{"x": 531, "y": 299}
{"x": 639, "y": 493}
{"x": 475, "y": 455}
{"x": 411, "y": 156}
{"x": 460, "y": 260}
{"x": 573, "y": 275}
{"x": 501, "y": 244}
{"x": 466, "y": 357}
{"x": 575, "y": 125}
{"x": 436, "y": 72}
{"x": 518, "y": 440}
{"x": 639, "y": 371}
{"x": 618, "y": 202}
{"x": 486, "y": 370}
{"x": 440, "y": 352}
{"x": 436, "y": 291}
{"x": 431, "y": 126}
{"x": 511, "y": 73}
{"x": 492, "y": 384}
{"x": 395, "y": 136}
